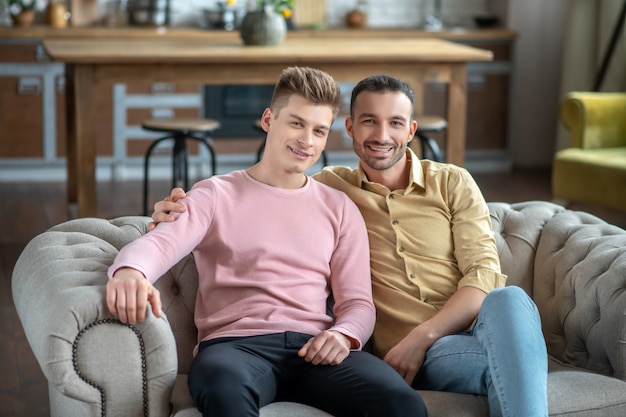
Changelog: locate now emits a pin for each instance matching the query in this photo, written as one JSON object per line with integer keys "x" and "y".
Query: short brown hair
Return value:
{"x": 381, "y": 84}
{"x": 314, "y": 85}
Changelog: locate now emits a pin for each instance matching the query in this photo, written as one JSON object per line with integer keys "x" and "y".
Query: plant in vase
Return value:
{"x": 23, "y": 11}
{"x": 284, "y": 7}
{"x": 265, "y": 24}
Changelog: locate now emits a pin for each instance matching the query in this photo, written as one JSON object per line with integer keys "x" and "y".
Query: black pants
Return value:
{"x": 235, "y": 377}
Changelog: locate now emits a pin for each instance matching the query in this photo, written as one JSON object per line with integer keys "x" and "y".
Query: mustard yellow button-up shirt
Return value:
{"x": 426, "y": 242}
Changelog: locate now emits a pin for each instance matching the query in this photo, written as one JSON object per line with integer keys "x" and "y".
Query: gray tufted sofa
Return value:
{"x": 571, "y": 263}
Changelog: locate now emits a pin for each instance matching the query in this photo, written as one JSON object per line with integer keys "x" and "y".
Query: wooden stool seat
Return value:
{"x": 427, "y": 123}
{"x": 189, "y": 125}
{"x": 179, "y": 130}
{"x": 259, "y": 126}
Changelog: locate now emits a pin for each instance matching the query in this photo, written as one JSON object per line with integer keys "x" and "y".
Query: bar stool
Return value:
{"x": 179, "y": 130}
{"x": 425, "y": 125}
{"x": 259, "y": 127}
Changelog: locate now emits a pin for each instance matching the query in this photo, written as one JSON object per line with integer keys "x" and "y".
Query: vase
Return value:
{"x": 24, "y": 18}
{"x": 263, "y": 27}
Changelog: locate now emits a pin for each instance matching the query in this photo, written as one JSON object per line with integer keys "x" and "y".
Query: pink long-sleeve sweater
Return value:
{"x": 267, "y": 258}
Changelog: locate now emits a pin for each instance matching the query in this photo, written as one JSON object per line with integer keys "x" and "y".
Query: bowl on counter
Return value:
{"x": 486, "y": 20}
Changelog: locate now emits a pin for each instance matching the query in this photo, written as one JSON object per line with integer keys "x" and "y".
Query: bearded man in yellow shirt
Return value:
{"x": 445, "y": 321}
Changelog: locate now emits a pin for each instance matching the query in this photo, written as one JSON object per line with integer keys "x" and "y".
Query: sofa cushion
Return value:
{"x": 439, "y": 404}
{"x": 574, "y": 392}
{"x": 183, "y": 405}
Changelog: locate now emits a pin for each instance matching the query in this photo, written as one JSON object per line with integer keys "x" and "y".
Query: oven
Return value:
{"x": 236, "y": 107}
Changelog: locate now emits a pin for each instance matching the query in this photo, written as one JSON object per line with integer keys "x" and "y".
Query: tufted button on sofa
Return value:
{"x": 572, "y": 264}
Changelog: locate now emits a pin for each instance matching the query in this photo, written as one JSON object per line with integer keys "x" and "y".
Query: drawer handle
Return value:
{"x": 162, "y": 113}
{"x": 60, "y": 84}
{"x": 29, "y": 86}
{"x": 162, "y": 88}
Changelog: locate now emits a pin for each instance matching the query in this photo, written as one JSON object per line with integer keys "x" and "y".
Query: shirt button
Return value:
{"x": 394, "y": 222}
{"x": 412, "y": 276}
{"x": 401, "y": 249}
{"x": 391, "y": 196}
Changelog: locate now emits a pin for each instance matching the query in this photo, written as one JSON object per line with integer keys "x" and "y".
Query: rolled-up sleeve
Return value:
{"x": 474, "y": 244}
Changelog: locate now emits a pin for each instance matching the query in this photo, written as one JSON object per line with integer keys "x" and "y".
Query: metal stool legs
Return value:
{"x": 180, "y": 171}
{"x": 430, "y": 149}
{"x": 430, "y": 124}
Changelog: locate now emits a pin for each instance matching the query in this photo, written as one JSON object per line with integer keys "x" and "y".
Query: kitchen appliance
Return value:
{"x": 227, "y": 18}
{"x": 149, "y": 12}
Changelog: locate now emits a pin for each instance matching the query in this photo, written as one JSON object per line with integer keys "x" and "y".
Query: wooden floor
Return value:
{"x": 30, "y": 208}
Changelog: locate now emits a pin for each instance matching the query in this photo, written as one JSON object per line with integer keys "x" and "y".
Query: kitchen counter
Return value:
{"x": 46, "y": 32}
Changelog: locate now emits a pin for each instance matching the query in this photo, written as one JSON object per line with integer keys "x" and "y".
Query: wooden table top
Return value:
{"x": 43, "y": 32}
{"x": 300, "y": 50}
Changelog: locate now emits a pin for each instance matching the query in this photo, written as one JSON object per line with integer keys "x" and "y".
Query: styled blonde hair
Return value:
{"x": 314, "y": 85}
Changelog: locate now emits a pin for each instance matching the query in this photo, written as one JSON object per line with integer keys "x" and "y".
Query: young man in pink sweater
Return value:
{"x": 270, "y": 245}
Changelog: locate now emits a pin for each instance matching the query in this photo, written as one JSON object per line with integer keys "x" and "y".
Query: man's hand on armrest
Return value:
{"x": 163, "y": 208}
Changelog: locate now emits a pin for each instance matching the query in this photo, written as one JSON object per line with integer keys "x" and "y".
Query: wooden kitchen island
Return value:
{"x": 225, "y": 61}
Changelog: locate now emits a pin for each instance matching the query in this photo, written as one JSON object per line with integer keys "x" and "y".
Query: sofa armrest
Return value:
{"x": 580, "y": 291}
{"x": 85, "y": 353}
{"x": 595, "y": 120}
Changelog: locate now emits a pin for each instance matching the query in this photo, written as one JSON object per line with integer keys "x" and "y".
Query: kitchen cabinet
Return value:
{"x": 32, "y": 106}
{"x": 28, "y": 95}
{"x": 32, "y": 113}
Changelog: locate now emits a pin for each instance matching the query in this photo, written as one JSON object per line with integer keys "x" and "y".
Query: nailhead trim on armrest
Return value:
{"x": 144, "y": 376}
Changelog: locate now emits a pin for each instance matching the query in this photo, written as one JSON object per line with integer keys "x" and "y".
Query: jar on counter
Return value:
{"x": 57, "y": 14}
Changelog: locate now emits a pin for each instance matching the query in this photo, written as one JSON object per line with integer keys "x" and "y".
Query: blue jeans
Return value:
{"x": 235, "y": 377}
{"x": 503, "y": 357}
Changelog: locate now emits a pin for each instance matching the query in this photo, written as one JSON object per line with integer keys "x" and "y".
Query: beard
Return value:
{"x": 379, "y": 163}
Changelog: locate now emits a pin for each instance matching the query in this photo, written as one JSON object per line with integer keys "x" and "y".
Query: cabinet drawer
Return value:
{"x": 22, "y": 52}
{"x": 21, "y": 121}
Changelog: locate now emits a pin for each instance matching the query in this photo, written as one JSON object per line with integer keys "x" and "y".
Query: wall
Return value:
{"x": 536, "y": 88}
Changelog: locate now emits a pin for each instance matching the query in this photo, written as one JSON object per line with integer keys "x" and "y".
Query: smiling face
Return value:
{"x": 296, "y": 134}
{"x": 381, "y": 126}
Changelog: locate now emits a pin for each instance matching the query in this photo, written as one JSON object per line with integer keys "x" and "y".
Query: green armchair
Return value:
{"x": 593, "y": 169}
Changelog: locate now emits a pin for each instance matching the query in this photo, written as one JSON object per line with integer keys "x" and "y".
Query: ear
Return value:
{"x": 266, "y": 119}
{"x": 349, "y": 124}
{"x": 412, "y": 130}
